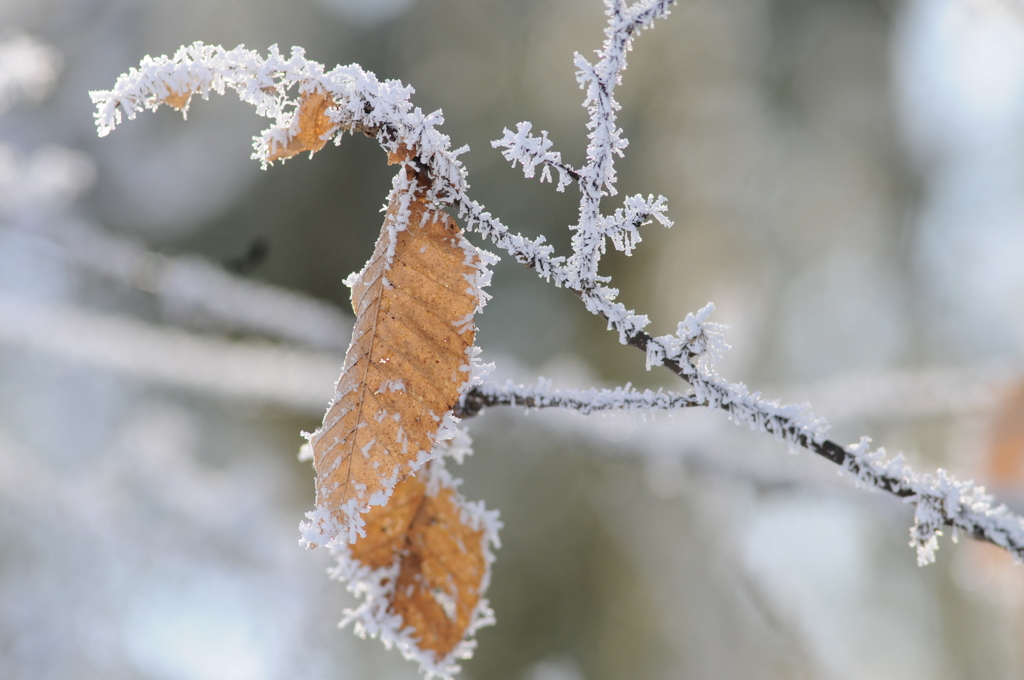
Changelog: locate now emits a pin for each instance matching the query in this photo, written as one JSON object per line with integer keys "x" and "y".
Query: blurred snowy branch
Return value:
{"x": 249, "y": 371}
{"x": 35, "y": 193}
{"x": 27, "y": 70}
{"x": 888, "y": 396}
{"x": 43, "y": 184}
{"x": 192, "y": 286}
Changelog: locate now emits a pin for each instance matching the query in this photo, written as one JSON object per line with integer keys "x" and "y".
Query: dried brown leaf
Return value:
{"x": 407, "y": 362}
{"x": 443, "y": 563}
{"x": 313, "y": 126}
{"x": 441, "y": 577}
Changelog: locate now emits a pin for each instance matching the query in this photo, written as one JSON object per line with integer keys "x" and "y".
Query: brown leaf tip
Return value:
{"x": 422, "y": 569}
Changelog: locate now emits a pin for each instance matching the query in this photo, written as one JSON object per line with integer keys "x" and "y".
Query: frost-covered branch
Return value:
{"x": 349, "y": 99}
{"x": 588, "y": 401}
{"x": 524, "y": 148}
{"x": 597, "y": 177}
{"x": 940, "y": 500}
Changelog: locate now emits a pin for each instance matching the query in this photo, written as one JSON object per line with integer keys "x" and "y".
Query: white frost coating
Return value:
{"x": 478, "y": 369}
{"x": 458, "y": 448}
{"x": 940, "y": 499}
{"x": 445, "y": 601}
{"x": 623, "y": 228}
{"x": 597, "y": 177}
{"x": 374, "y": 588}
{"x": 695, "y": 348}
{"x": 448, "y": 428}
{"x": 695, "y": 337}
{"x": 465, "y": 323}
{"x": 587, "y": 401}
{"x": 403, "y": 189}
{"x": 480, "y": 279}
{"x": 322, "y": 527}
{"x": 391, "y": 386}
{"x": 522, "y": 147}
{"x": 353, "y": 278}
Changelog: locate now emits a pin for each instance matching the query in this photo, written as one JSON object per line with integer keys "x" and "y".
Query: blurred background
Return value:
{"x": 847, "y": 183}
